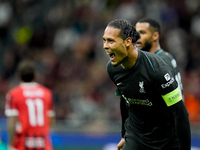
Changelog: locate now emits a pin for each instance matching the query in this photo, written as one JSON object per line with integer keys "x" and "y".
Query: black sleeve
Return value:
{"x": 124, "y": 114}
{"x": 182, "y": 124}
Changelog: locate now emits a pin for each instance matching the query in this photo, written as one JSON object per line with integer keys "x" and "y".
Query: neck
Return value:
{"x": 131, "y": 58}
{"x": 155, "y": 48}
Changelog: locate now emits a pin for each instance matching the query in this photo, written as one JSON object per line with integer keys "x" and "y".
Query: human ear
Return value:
{"x": 128, "y": 42}
{"x": 155, "y": 36}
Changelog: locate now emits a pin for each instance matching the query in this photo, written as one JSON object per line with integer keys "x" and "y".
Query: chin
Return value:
{"x": 114, "y": 63}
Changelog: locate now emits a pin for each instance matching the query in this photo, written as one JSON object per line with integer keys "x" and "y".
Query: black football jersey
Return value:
{"x": 149, "y": 89}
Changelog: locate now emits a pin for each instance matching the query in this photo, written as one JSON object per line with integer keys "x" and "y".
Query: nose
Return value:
{"x": 105, "y": 45}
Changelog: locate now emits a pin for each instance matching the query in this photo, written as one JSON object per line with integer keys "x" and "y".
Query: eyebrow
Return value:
{"x": 108, "y": 39}
{"x": 142, "y": 31}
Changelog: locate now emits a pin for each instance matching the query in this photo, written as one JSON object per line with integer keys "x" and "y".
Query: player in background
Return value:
{"x": 149, "y": 30}
{"x": 30, "y": 112}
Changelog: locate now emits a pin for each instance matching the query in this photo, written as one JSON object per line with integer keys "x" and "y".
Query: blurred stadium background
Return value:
{"x": 64, "y": 37}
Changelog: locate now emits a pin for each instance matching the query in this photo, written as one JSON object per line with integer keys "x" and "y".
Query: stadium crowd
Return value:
{"x": 65, "y": 40}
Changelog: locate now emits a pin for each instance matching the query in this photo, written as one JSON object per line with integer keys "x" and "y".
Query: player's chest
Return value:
{"x": 134, "y": 85}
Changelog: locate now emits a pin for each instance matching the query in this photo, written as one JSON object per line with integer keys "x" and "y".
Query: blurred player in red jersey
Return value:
{"x": 30, "y": 112}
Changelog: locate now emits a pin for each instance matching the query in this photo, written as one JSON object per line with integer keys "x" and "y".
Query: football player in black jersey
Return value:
{"x": 149, "y": 30}
{"x": 152, "y": 109}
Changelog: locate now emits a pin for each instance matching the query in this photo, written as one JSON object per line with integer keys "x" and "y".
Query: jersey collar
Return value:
{"x": 158, "y": 51}
{"x": 28, "y": 84}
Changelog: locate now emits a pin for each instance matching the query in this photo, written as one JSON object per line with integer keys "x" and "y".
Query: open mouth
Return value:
{"x": 112, "y": 56}
{"x": 138, "y": 44}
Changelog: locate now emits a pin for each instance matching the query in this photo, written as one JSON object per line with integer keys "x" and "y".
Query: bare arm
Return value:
{"x": 120, "y": 144}
{"x": 51, "y": 120}
{"x": 51, "y": 114}
{"x": 11, "y": 122}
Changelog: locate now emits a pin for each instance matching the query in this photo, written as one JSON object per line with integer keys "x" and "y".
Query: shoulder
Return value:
{"x": 109, "y": 69}
{"x": 164, "y": 54}
{"x": 151, "y": 56}
{"x": 159, "y": 66}
{"x": 15, "y": 90}
{"x": 108, "y": 65}
{"x": 152, "y": 59}
{"x": 168, "y": 58}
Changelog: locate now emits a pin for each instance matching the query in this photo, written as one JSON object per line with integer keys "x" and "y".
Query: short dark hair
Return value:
{"x": 26, "y": 70}
{"x": 127, "y": 29}
{"x": 153, "y": 23}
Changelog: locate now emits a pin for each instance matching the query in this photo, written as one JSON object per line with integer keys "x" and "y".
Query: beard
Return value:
{"x": 147, "y": 46}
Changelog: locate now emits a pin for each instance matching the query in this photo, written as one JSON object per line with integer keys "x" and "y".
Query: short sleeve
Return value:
{"x": 51, "y": 111}
{"x": 10, "y": 106}
{"x": 167, "y": 86}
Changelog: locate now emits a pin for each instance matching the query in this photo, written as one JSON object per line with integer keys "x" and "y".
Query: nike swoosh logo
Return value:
{"x": 119, "y": 83}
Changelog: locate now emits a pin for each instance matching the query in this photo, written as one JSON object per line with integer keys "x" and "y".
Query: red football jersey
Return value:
{"x": 33, "y": 105}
